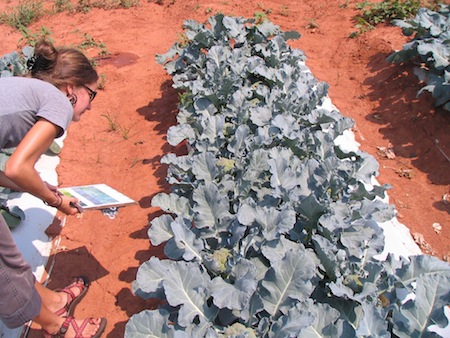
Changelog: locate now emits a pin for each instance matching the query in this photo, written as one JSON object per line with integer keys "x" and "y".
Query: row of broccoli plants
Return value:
{"x": 270, "y": 229}
{"x": 429, "y": 50}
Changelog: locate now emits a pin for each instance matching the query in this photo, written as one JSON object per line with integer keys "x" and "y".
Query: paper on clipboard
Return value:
{"x": 97, "y": 196}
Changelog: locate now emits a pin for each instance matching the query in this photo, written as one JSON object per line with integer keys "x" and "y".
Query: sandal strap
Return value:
{"x": 78, "y": 329}
{"x": 65, "y": 325}
{"x": 81, "y": 283}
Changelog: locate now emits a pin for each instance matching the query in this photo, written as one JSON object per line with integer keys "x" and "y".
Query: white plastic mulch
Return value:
{"x": 30, "y": 235}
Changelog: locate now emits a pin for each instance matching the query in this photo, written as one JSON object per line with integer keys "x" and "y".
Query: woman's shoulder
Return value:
{"x": 25, "y": 81}
{"x": 28, "y": 86}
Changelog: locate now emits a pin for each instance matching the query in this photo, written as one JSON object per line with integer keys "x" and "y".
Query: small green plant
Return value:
{"x": 24, "y": 14}
{"x": 102, "y": 81}
{"x": 89, "y": 42}
{"x": 103, "y": 50}
{"x": 260, "y": 17}
{"x": 128, "y": 3}
{"x": 30, "y": 38}
{"x": 312, "y": 24}
{"x": 185, "y": 98}
{"x": 112, "y": 124}
{"x": 183, "y": 40}
{"x": 265, "y": 10}
{"x": 344, "y": 5}
{"x": 372, "y": 14}
{"x": 375, "y": 13}
{"x": 83, "y": 6}
{"x": 363, "y": 27}
{"x": 62, "y": 6}
{"x": 125, "y": 132}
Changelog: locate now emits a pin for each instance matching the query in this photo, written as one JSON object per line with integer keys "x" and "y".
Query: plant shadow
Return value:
{"x": 417, "y": 131}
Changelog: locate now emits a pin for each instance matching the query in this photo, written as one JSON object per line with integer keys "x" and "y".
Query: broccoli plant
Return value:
{"x": 429, "y": 50}
{"x": 15, "y": 63}
{"x": 271, "y": 228}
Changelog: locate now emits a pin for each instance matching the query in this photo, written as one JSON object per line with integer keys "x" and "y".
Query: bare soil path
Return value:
{"x": 122, "y": 139}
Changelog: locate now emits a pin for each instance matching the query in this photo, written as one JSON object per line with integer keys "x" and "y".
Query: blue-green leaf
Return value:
{"x": 160, "y": 230}
{"x": 185, "y": 285}
{"x": 149, "y": 324}
{"x": 186, "y": 241}
{"x": 211, "y": 208}
{"x": 432, "y": 295}
{"x": 288, "y": 282}
{"x": 179, "y": 133}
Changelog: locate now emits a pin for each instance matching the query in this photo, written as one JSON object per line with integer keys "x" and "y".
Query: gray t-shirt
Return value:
{"x": 23, "y": 101}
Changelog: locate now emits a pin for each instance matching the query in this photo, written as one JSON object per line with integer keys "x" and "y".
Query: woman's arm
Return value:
{"x": 20, "y": 167}
{"x": 7, "y": 183}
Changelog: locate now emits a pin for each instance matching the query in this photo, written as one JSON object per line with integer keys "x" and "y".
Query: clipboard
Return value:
{"x": 97, "y": 196}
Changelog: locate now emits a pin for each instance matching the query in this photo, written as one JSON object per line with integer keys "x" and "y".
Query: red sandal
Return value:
{"x": 82, "y": 283}
{"x": 70, "y": 321}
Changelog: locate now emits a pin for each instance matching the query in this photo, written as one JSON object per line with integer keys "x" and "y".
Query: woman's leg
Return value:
{"x": 63, "y": 301}
{"x": 23, "y": 299}
{"x": 19, "y": 299}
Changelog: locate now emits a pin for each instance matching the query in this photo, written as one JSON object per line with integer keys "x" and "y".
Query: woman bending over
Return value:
{"x": 35, "y": 110}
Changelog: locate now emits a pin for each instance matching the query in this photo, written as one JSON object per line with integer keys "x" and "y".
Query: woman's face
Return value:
{"x": 85, "y": 95}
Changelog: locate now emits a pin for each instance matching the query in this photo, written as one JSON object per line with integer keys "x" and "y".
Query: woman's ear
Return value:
{"x": 71, "y": 95}
{"x": 68, "y": 89}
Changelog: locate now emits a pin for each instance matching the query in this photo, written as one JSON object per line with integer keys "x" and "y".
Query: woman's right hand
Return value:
{"x": 69, "y": 205}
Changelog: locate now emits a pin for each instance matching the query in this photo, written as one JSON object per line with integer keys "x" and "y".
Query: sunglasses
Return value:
{"x": 90, "y": 92}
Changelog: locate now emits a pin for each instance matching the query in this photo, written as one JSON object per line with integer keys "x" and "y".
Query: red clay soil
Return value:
{"x": 140, "y": 104}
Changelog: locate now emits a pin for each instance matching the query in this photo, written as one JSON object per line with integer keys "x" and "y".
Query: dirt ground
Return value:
{"x": 122, "y": 139}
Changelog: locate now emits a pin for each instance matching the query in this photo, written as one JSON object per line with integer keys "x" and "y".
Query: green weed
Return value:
{"x": 128, "y": 3}
{"x": 102, "y": 81}
{"x": 162, "y": 2}
{"x": 312, "y": 24}
{"x": 265, "y": 10}
{"x": 114, "y": 126}
{"x": 85, "y": 6}
{"x": 90, "y": 42}
{"x": 62, "y": 6}
{"x": 82, "y": 6}
{"x": 373, "y": 14}
{"x": 125, "y": 132}
{"x": 112, "y": 123}
{"x": 24, "y": 14}
{"x": 260, "y": 17}
{"x": 29, "y": 38}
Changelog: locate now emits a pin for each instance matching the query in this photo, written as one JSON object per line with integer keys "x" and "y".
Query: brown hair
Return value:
{"x": 61, "y": 66}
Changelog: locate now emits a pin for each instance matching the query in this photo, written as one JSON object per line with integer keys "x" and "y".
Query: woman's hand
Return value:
{"x": 66, "y": 204}
{"x": 69, "y": 205}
